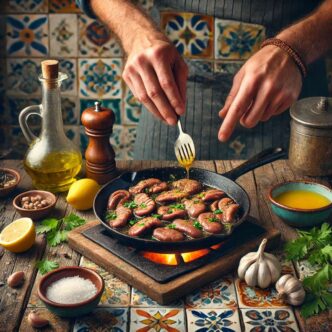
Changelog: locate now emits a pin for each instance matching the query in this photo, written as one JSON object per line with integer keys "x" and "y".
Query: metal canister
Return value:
{"x": 310, "y": 150}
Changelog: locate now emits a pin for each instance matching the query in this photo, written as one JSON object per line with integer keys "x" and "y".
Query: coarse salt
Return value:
{"x": 71, "y": 290}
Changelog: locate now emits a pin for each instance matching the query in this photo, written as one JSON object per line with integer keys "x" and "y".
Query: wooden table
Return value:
{"x": 13, "y": 303}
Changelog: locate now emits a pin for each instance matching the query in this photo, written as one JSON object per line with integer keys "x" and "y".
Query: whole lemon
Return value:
{"x": 82, "y": 193}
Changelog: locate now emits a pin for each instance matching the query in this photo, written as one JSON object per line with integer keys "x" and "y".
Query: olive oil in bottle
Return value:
{"x": 52, "y": 160}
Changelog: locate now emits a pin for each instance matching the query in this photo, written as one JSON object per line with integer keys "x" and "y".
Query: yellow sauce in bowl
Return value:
{"x": 302, "y": 199}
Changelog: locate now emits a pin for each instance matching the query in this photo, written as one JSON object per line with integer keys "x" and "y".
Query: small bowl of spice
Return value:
{"x": 71, "y": 291}
{"x": 34, "y": 204}
{"x": 9, "y": 179}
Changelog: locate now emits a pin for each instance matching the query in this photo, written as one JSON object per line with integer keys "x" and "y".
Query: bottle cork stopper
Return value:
{"x": 50, "y": 71}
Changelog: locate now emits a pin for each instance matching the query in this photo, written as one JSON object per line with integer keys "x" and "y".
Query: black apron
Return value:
{"x": 210, "y": 81}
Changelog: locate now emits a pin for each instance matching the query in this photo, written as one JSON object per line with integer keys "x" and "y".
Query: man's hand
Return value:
{"x": 157, "y": 75}
{"x": 266, "y": 85}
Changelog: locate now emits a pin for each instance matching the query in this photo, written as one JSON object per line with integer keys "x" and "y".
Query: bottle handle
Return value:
{"x": 23, "y": 120}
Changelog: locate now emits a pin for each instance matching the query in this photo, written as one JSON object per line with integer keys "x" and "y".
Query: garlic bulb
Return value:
{"x": 259, "y": 268}
{"x": 290, "y": 289}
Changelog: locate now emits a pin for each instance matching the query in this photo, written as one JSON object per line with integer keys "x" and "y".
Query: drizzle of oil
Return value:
{"x": 187, "y": 164}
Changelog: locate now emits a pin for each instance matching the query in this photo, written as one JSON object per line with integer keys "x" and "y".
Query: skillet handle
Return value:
{"x": 260, "y": 159}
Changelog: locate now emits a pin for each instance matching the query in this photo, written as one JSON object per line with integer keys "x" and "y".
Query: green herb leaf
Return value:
{"x": 72, "y": 221}
{"x": 132, "y": 222}
{"x": 214, "y": 219}
{"x": 178, "y": 206}
{"x": 47, "y": 225}
{"x": 141, "y": 224}
{"x": 198, "y": 225}
{"x": 110, "y": 215}
{"x": 158, "y": 216}
{"x": 56, "y": 237}
{"x": 45, "y": 266}
{"x": 218, "y": 211}
{"x": 143, "y": 205}
{"x": 171, "y": 226}
{"x": 130, "y": 205}
{"x": 172, "y": 177}
{"x": 201, "y": 195}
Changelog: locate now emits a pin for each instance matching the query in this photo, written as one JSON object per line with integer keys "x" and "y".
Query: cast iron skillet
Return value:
{"x": 224, "y": 182}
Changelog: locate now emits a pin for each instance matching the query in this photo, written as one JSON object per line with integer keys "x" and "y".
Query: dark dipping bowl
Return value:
{"x": 76, "y": 309}
{"x": 38, "y": 213}
{"x": 6, "y": 191}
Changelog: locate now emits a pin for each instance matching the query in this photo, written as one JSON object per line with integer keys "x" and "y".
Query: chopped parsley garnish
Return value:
{"x": 172, "y": 177}
{"x": 177, "y": 206}
{"x": 130, "y": 205}
{"x": 132, "y": 222}
{"x": 171, "y": 226}
{"x": 110, "y": 215}
{"x": 158, "y": 216}
{"x": 218, "y": 211}
{"x": 214, "y": 219}
{"x": 147, "y": 190}
{"x": 141, "y": 224}
{"x": 201, "y": 195}
{"x": 170, "y": 211}
{"x": 198, "y": 225}
{"x": 196, "y": 201}
{"x": 143, "y": 205}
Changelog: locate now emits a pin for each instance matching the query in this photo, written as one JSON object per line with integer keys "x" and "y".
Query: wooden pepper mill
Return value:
{"x": 99, "y": 155}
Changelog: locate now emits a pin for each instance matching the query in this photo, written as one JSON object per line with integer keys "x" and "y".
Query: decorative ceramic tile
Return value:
{"x": 63, "y": 6}
{"x": 113, "y": 104}
{"x": 191, "y": 34}
{"x": 100, "y": 78}
{"x": 116, "y": 293}
{"x": 157, "y": 319}
{"x": 122, "y": 140}
{"x": 103, "y": 319}
{"x": 217, "y": 294}
{"x": 199, "y": 67}
{"x": 286, "y": 266}
{"x": 95, "y": 39}
{"x": 72, "y": 133}
{"x": 70, "y": 114}
{"x": 261, "y": 320}
{"x": 69, "y": 85}
{"x": 139, "y": 299}
{"x": 227, "y": 67}
{"x": 22, "y": 77}
{"x": 19, "y": 144}
{"x": 132, "y": 108}
{"x": 15, "y": 105}
{"x": 63, "y": 35}
{"x": 27, "y": 35}
{"x": 254, "y": 297}
{"x": 205, "y": 320}
{"x": 236, "y": 40}
{"x": 27, "y": 6}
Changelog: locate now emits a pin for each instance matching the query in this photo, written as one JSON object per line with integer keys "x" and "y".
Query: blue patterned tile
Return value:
{"x": 113, "y": 104}
{"x": 206, "y": 320}
{"x": 157, "y": 319}
{"x": 63, "y": 6}
{"x": 103, "y": 319}
{"x": 69, "y": 85}
{"x": 199, "y": 67}
{"x": 260, "y": 320}
{"x": 22, "y": 77}
{"x": 122, "y": 140}
{"x": 17, "y": 142}
{"x": 132, "y": 108}
{"x": 2, "y": 76}
{"x": 191, "y": 34}
{"x": 100, "y": 78}
{"x": 70, "y": 113}
{"x": 72, "y": 132}
{"x": 139, "y": 299}
{"x": 27, "y": 6}
{"x": 227, "y": 67}
{"x": 14, "y": 105}
{"x": 237, "y": 40}
{"x": 217, "y": 294}
{"x": 2, "y": 35}
{"x": 27, "y": 35}
{"x": 63, "y": 35}
{"x": 84, "y": 140}
{"x": 96, "y": 40}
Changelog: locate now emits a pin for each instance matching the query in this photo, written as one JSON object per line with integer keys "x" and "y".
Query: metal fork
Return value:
{"x": 184, "y": 147}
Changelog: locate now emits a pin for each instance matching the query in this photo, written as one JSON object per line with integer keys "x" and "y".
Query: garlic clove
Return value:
{"x": 296, "y": 298}
{"x": 251, "y": 275}
{"x": 292, "y": 285}
{"x": 274, "y": 270}
{"x": 244, "y": 264}
{"x": 263, "y": 275}
{"x": 281, "y": 282}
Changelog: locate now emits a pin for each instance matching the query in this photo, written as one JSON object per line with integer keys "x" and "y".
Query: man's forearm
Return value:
{"x": 311, "y": 36}
{"x": 127, "y": 21}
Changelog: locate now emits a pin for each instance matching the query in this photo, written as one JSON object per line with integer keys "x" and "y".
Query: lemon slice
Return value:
{"x": 82, "y": 193}
{"x": 18, "y": 236}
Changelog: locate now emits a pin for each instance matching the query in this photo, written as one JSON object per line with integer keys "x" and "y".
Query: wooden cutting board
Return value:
{"x": 168, "y": 292}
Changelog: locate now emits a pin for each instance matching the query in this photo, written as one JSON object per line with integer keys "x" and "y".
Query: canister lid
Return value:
{"x": 313, "y": 112}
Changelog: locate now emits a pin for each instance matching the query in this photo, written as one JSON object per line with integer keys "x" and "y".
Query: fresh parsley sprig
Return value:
{"x": 314, "y": 246}
{"x": 56, "y": 230}
{"x": 45, "y": 266}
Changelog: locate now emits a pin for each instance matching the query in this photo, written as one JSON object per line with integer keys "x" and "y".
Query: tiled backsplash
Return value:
{"x": 90, "y": 55}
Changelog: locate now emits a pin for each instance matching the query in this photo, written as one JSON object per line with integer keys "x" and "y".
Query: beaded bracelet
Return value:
{"x": 290, "y": 51}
